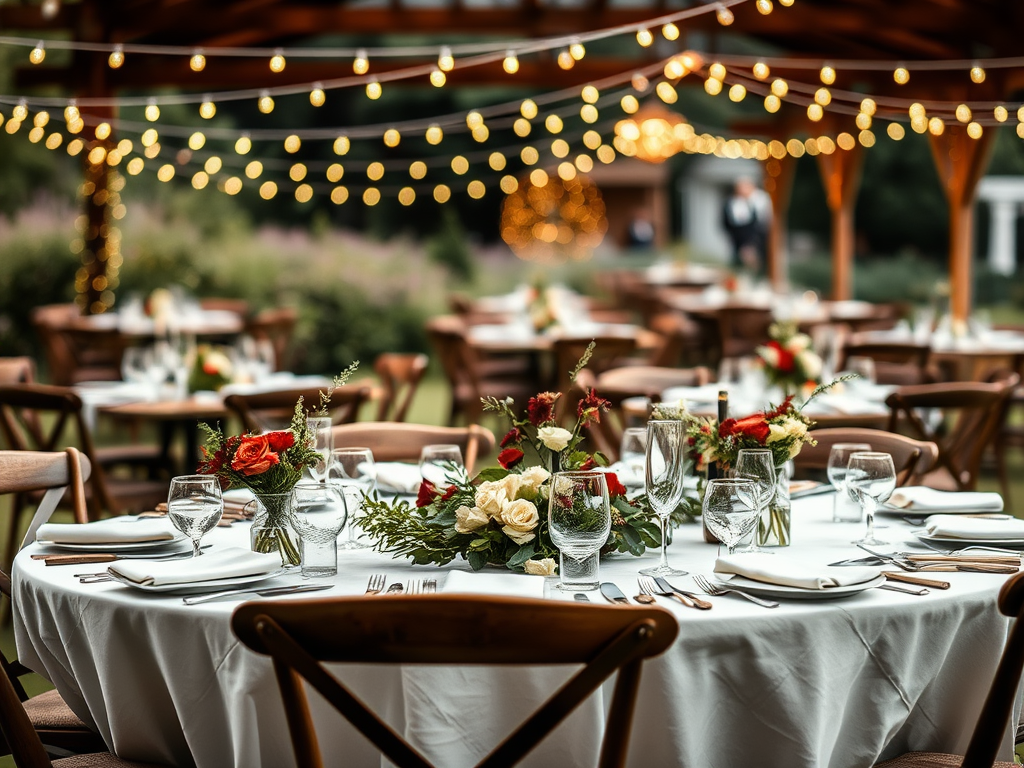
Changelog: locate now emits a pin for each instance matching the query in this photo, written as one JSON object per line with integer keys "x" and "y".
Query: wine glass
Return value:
{"x": 318, "y": 513}
{"x": 579, "y": 520}
{"x": 758, "y": 465}
{"x": 666, "y": 450}
{"x": 194, "y": 506}
{"x": 633, "y": 454}
{"x": 730, "y": 509}
{"x": 437, "y": 463}
{"x": 871, "y": 479}
{"x": 321, "y": 440}
{"x": 353, "y": 470}
{"x": 838, "y": 462}
{"x": 135, "y": 365}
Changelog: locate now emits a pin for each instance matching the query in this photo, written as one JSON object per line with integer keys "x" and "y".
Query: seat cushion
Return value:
{"x": 929, "y": 760}
{"x": 49, "y": 710}
{"x": 99, "y": 760}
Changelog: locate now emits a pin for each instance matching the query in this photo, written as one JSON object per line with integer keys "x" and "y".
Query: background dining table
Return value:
{"x": 834, "y": 682}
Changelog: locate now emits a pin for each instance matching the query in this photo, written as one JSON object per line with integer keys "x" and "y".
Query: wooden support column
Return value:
{"x": 778, "y": 183}
{"x": 840, "y": 174}
{"x": 961, "y": 161}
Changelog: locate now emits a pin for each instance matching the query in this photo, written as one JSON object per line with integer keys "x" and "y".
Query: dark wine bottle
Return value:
{"x": 714, "y": 471}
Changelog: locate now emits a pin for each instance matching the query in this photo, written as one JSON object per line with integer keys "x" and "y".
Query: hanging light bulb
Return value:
{"x": 974, "y": 130}
{"x": 977, "y": 74}
{"x": 265, "y": 103}
{"x": 815, "y": 112}
{"x": 1000, "y": 113}
{"x": 361, "y": 65}
{"x": 445, "y": 61}
{"x": 737, "y": 93}
{"x": 342, "y": 145}
{"x": 528, "y": 109}
{"x": 207, "y": 109}
{"x": 577, "y": 51}
{"x": 639, "y": 82}
{"x": 772, "y": 103}
{"x": 152, "y": 111}
{"x": 511, "y": 62}
{"x": 438, "y": 78}
{"x": 761, "y": 71}
{"x": 823, "y": 96}
{"x": 868, "y": 107}
{"x": 474, "y": 120}
{"x": 116, "y": 57}
{"x": 780, "y": 87}
{"x": 827, "y": 74}
{"x": 644, "y": 37}
{"x": 434, "y": 134}
{"x": 71, "y": 112}
{"x": 20, "y": 112}
{"x": 713, "y": 86}
{"x": 243, "y": 145}
{"x": 373, "y": 89}
{"x": 901, "y": 75}
{"x": 392, "y": 137}
{"x": 764, "y": 7}
{"x": 963, "y": 113}
{"x": 198, "y": 61}
{"x": 50, "y": 8}
{"x": 317, "y": 97}
{"x": 565, "y": 60}
{"x": 590, "y": 94}
{"x": 38, "y": 53}
{"x": 724, "y": 16}
{"x": 674, "y": 69}
{"x": 670, "y": 31}
{"x": 717, "y": 71}
{"x": 277, "y": 62}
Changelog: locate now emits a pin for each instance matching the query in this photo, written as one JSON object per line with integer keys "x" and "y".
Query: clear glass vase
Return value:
{"x": 774, "y": 526}
{"x": 271, "y": 530}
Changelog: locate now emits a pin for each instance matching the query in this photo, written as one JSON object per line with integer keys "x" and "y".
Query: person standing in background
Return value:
{"x": 746, "y": 216}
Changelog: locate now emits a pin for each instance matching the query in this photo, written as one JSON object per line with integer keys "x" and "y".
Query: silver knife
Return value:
{"x": 579, "y": 597}
{"x": 269, "y": 592}
{"x": 613, "y": 594}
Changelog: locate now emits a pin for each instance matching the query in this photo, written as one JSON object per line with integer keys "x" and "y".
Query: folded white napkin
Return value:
{"x": 784, "y": 571}
{"x": 117, "y": 530}
{"x": 504, "y": 584}
{"x": 959, "y": 527}
{"x": 395, "y": 477}
{"x": 917, "y": 498}
{"x": 849, "y": 404}
{"x": 230, "y": 563}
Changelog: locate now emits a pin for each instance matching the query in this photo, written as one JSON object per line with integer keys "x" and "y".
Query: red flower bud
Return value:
{"x": 509, "y": 457}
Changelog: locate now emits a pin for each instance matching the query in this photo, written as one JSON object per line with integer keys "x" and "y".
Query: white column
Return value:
{"x": 1002, "y": 241}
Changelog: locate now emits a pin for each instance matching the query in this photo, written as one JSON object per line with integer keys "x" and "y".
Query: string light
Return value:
{"x": 317, "y": 97}
{"x": 522, "y": 127}
{"x": 292, "y": 144}
{"x": 496, "y": 161}
{"x": 207, "y": 110}
{"x": 528, "y": 109}
{"x": 116, "y": 57}
{"x": 38, "y": 54}
{"x": 1000, "y": 113}
{"x": 213, "y": 165}
{"x": 375, "y": 171}
{"x": 827, "y": 74}
{"x": 406, "y": 196}
{"x": 577, "y": 51}
{"x": 277, "y": 61}
{"x": 392, "y": 137}
{"x": 460, "y": 165}
{"x": 590, "y": 94}
{"x": 152, "y": 111}
{"x": 780, "y": 87}
{"x": 977, "y": 74}
{"x": 565, "y": 60}
{"x": 667, "y": 93}
{"x": 102, "y": 131}
{"x": 418, "y": 170}
{"x": 863, "y": 121}
{"x": 772, "y": 103}
{"x": 342, "y": 145}
{"x": 243, "y": 145}
{"x": 198, "y": 61}
{"x": 437, "y": 78}
{"x": 268, "y": 190}
{"x": 901, "y": 75}
{"x": 674, "y": 69}
{"x": 974, "y": 130}
{"x": 639, "y": 82}
{"x": 670, "y": 31}
{"x": 442, "y": 193}
{"x": 265, "y": 103}
{"x": 717, "y": 71}
{"x": 559, "y": 148}
{"x": 474, "y": 120}
{"x": 588, "y": 113}
{"x": 936, "y": 126}
{"x": 713, "y": 86}
{"x": 339, "y": 195}
{"x": 815, "y": 112}
{"x": 963, "y": 113}
{"x": 764, "y": 7}
{"x": 553, "y": 123}
{"x": 895, "y": 131}
{"x": 41, "y": 119}
{"x": 724, "y": 16}
{"x": 644, "y": 37}
{"x": 761, "y": 71}
{"x": 823, "y": 97}
{"x": 511, "y": 63}
{"x": 373, "y": 89}
{"x": 481, "y": 133}
{"x": 434, "y": 134}
{"x": 445, "y": 61}
{"x": 196, "y": 141}
{"x": 529, "y": 155}
{"x": 868, "y": 107}
{"x": 361, "y": 64}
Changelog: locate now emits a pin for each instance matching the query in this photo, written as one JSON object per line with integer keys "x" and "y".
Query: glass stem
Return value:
{"x": 869, "y": 512}
{"x": 664, "y": 540}
{"x": 196, "y": 549}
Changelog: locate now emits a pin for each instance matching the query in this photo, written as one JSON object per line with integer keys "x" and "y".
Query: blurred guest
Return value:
{"x": 641, "y": 230}
{"x": 746, "y": 217}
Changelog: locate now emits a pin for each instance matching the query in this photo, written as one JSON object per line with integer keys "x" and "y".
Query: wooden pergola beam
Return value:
{"x": 840, "y": 175}
{"x": 778, "y": 183}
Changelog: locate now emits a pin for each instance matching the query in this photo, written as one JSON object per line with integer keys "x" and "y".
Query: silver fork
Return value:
{"x": 649, "y": 586}
{"x": 430, "y": 586}
{"x": 376, "y": 583}
{"x": 414, "y": 587}
{"x": 717, "y": 590}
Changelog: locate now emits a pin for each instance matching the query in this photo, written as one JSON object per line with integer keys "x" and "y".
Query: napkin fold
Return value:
{"x": 503, "y": 584}
{"x": 114, "y": 531}
{"x": 981, "y": 528}
{"x": 396, "y": 477}
{"x": 917, "y": 498}
{"x": 786, "y": 572}
{"x": 230, "y": 563}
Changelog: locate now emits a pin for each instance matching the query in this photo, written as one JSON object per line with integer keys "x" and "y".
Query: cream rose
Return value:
{"x": 520, "y": 518}
{"x": 468, "y": 519}
{"x": 491, "y": 498}
{"x": 770, "y": 355}
{"x": 510, "y": 485}
{"x": 799, "y": 343}
{"x": 554, "y": 438}
{"x": 533, "y": 478}
{"x": 545, "y": 567}
{"x": 811, "y": 364}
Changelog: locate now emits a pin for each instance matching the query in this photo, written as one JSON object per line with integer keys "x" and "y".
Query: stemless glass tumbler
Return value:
{"x": 579, "y": 520}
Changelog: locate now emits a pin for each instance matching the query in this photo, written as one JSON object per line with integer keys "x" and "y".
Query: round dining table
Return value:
{"x": 838, "y": 682}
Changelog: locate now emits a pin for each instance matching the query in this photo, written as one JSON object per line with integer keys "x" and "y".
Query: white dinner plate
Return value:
{"x": 198, "y": 587}
{"x": 130, "y": 546}
{"x": 797, "y": 593}
{"x": 952, "y": 541}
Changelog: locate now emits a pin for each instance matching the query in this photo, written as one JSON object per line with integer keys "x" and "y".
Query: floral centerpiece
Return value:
{"x": 211, "y": 370}
{"x": 500, "y": 516}
{"x": 788, "y": 360}
{"x": 269, "y": 465}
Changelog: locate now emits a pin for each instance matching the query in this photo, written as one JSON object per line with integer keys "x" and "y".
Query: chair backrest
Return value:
{"x": 391, "y": 441}
{"x": 17, "y": 370}
{"x": 976, "y": 411}
{"x": 902, "y": 363}
{"x": 459, "y": 362}
{"x": 267, "y": 411}
{"x": 911, "y": 457}
{"x": 25, "y": 471}
{"x": 277, "y": 326}
{"x": 400, "y": 375}
{"x": 608, "y": 350}
{"x": 24, "y": 743}
{"x": 676, "y": 332}
{"x": 441, "y": 629}
{"x": 742, "y": 328}
{"x": 238, "y": 306}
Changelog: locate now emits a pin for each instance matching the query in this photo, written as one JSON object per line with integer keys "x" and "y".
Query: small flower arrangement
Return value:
{"x": 788, "y": 360}
{"x": 211, "y": 370}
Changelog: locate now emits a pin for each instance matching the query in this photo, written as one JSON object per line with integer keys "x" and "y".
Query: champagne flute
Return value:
{"x": 666, "y": 449}
{"x": 838, "y": 463}
{"x": 321, "y": 440}
{"x": 871, "y": 478}
{"x": 758, "y": 465}
{"x": 437, "y": 463}
{"x": 579, "y": 520}
{"x": 194, "y": 506}
{"x": 353, "y": 470}
{"x": 731, "y": 509}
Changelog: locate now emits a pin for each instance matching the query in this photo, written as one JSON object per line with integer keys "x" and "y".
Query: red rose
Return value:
{"x": 449, "y": 492}
{"x": 512, "y": 436}
{"x": 210, "y": 369}
{"x": 753, "y": 426}
{"x": 541, "y": 409}
{"x": 726, "y": 428}
{"x": 426, "y": 494}
{"x": 509, "y": 457}
{"x": 590, "y": 407}
{"x": 587, "y": 465}
{"x": 254, "y": 456}
{"x": 615, "y": 488}
{"x": 281, "y": 441}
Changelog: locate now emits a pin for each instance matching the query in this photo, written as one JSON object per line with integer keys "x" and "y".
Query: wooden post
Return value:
{"x": 840, "y": 174}
{"x": 961, "y": 161}
{"x": 778, "y": 183}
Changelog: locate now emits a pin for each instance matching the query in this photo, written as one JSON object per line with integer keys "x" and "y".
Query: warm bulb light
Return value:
{"x": 553, "y": 123}
{"x": 764, "y": 7}
{"x": 577, "y": 51}
{"x": 207, "y": 110}
{"x": 445, "y": 61}
{"x": 152, "y": 112}
{"x": 373, "y": 89}
{"x": 780, "y": 87}
{"x": 361, "y": 65}
{"x": 342, "y": 145}
{"x": 392, "y": 137}
{"x": 895, "y": 131}
{"x": 1000, "y": 113}
{"x": 815, "y": 112}
{"x": 629, "y": 104}
{"x": 102, "y": 130}
{"x": 772, "y": 103}
{"x": 974, "y": 130}
{"x": 474, "y": 120}
{"x": 737, "y": 93}
{"x": 936, "y": 126}
{"x": 528, "y": 109}
{"x": 977, "y": 75}
{"x": 243, "y": 145}
{"x": 963, "y": 113}
{"x": 717, "y": 71}
{"x": 196, "y": 141}
{"x": 724, "y": 16}
{"x": 901, "y": 75}
{"x": 827, "y": 75}
{"x": 116, "y": 57}
{"x": 565, "y": 60}
{"x": 38, "y": 53}
{"x": 713, "y": 86}
{"x": 511, "y": 63}
{"x": 198, "y": 62}
{"x": 823, "y": 96}
{"x": 434, "y": 134}
{"x": 674, "y": 69}
{"x": 639, "y": 82}
{"x": 644, "y": 37}
{"x": 868, "y": 107}
{"x": 317, "y": 97}
{"x": 438, "y": 78}
{"x": 265, "y": 104}
{"x": 916, "y": 110}
{"x": 670, "y": 31}
{"x": 761, "y": 71}
{"x": 590, "y": 94}
{"x": 277, "y": 62}
{"x": 292, "y": 144}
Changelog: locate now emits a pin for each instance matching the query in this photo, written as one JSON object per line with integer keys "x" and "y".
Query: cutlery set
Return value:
{"x": 87, "y": 558}
{"x": 414, "y": 587}
{"x": 652, "y": 587}
{"x": 998, "y": 561}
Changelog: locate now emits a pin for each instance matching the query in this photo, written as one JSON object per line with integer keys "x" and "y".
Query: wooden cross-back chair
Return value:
{"x": 75, "y": 353}
{"x": 742, "y": 329}
{"x": 393, "y": 441}
{"x": 454, "y": 630}
{"x": 912, "y": 458}
{"x": 400, "y": 376}
{"x": 276, "y": 325}
{"x": 973, "y": 415}
{"x": 267, "y": 411}
{"x": 902, "y": 363}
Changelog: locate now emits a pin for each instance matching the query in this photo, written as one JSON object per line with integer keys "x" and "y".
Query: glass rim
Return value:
{"x": 754, "y": 450}
{"x": 583, "y": 472}
{"x": 350, "y": 449}
{"x": 310, "y": 485}
{"x": 441, "y": 445}
{"x": 855, "y": 445}
{"x": 870, "y": 454}
{"x": 732, "y": 481}
{"x": 194, "y": 478}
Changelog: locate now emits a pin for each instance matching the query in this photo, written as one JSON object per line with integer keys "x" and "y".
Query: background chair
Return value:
{"x": 400, "y": 376}
{"x": 439, "y": 629}
{"x": 267, "y": 411}
{"x": 742, "y": 329}
{"x": 276, "y": 325}
{"x": 74, "y": 353}
{"x": 911, "y": 457}
{"x": 903, "y": 363}
{"x": 391, "y": 441}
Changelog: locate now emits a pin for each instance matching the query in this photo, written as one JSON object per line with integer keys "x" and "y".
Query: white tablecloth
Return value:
{"x": 819, "y": 683}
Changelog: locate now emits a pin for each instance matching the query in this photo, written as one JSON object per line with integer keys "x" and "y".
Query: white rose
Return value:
{"x": 776, "y": 432}
{"x": 510, "y": 485}
{"x": 469, "y": 519}
{"x": 545, "y": 567}
{"x": 533, "y": 478}
{"x": 554, "y": 438}
{"x": 811, "y": 364}
{"x": 770, "y": 355}
{"x": 520, "y": 518}
{"x": 491, "y": 498}
{"x": 799, "y": 343}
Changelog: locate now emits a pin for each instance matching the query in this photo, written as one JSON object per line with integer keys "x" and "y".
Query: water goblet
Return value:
{"x": 579, "y": 520}
{"x": 194, "y": 506}
{"x": 321, "y": 440}
{"x": 758, "y": 465}
{"x": 666, "y": 451}
{"x": 353, "y": 470}
{"x": 439, "y": 464}
{"x": 844, "y": 509}
{"x": 865, "y": 368}
{"x": 135, "y": 364}
{"x": 633, "y": 454}
{"x": 730, "y": 509}
{"x": 871, "y": 478}
{"x": 318, "y": 513}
